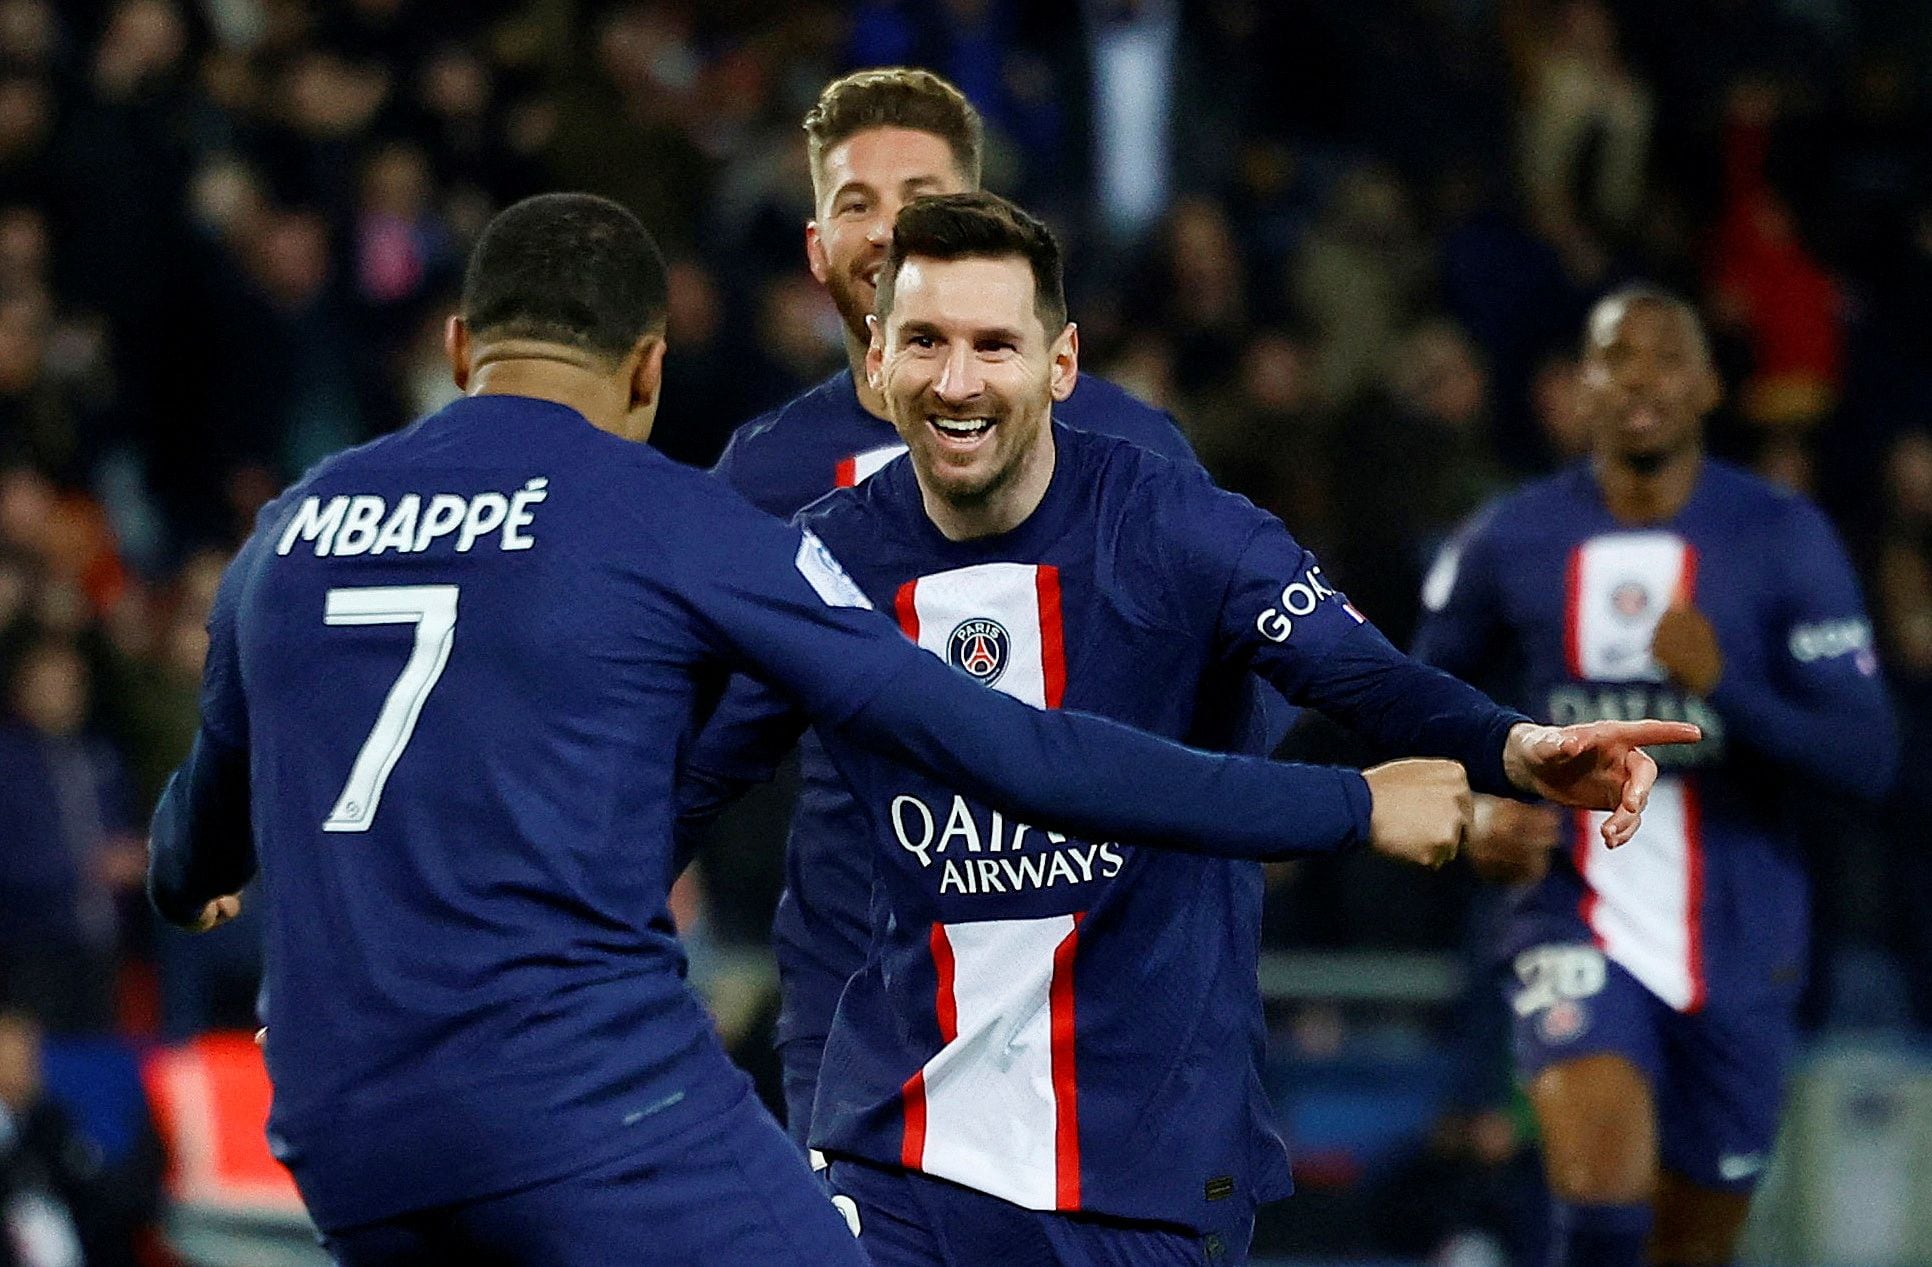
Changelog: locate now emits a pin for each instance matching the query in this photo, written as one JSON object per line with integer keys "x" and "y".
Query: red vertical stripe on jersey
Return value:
{"x": 847, "y": 474}
{"x": 912, "y": 1146}
{"x": 1053, "y": 646}
{"x": 1573, "y": 614}
{"x": 1687, "y": 579}
{"x": 945, "y": 1005}
{"x": 1694, "y": 888}
{"x": 1066, "y": 1087}
{"x": 907, "y": 606}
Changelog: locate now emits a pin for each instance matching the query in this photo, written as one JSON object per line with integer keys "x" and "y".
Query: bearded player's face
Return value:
{"x": 969, "y": 373}
{"x": 860, "y": 186}
{"x": 1647, "y": 381}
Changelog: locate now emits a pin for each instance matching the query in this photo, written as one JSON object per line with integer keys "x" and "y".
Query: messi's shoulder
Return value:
{"x": 1140, "y": 487}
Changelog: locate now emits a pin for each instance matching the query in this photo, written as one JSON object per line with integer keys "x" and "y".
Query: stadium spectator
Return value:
{"x": 63, "y": 1201}
{"x": 1586, "y": 136}
{"x": 71, "y": 853}
{"x": 1359, "y": 277}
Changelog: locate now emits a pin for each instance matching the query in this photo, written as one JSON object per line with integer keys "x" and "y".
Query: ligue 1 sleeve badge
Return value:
{"x": 979, "y": 647}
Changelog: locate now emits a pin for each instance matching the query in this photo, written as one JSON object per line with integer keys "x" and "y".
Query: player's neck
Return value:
{"x": 1003, "y": 511}
{"x": 1636, "y": 494}
{"x": 873, "y": 402}
{"x": 604, "y": 403}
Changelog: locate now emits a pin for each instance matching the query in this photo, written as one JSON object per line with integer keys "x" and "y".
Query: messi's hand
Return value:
{"x": 1595, "y": 765}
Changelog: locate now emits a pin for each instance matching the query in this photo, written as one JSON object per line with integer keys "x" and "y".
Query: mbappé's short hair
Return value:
{"x": 572, "y": 269}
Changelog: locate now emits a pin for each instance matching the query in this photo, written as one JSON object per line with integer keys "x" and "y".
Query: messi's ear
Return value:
{"x": 1066, "y": 362}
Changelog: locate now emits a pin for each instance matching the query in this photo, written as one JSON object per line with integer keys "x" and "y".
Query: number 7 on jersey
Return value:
{"x": 432, "y": 609}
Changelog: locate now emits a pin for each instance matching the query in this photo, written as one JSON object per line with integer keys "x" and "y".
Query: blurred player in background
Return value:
{"x": 448, "y": 680}
{"x": 1654, "y": 990}
{"x": 876, "y": 139}
{"x": 1049, "y": 1026}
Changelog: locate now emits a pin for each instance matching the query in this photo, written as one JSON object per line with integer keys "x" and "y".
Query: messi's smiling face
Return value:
{"x": 969, "y": 372}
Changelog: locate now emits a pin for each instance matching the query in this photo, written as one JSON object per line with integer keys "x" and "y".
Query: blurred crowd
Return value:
{"x": 1349, "y": 243}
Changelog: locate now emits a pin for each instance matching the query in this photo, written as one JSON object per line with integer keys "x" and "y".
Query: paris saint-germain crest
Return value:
{"x": 1630, "y": 600}
{"x": 979, "y": 647}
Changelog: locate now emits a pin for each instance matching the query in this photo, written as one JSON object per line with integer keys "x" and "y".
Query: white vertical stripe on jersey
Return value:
{"x": 1644, "y": 901}
{"x": 1619, "y": 586}
{"x": 1005, "y": 592}
{"x": 992, "y": 1111}
{"x": 1644, "y": 897}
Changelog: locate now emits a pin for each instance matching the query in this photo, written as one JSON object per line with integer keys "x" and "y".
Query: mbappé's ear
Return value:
{"x": 647, "y": 372}
{"x": 456, "y": 350}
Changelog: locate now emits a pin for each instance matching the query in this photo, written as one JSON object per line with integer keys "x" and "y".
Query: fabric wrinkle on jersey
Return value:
{"x": 1707, "y": 907}
{"x": 1039, "y": 1013}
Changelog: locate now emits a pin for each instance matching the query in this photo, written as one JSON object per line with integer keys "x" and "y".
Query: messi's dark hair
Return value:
{"x": 977, "y": 226}
{"x": 573, "y": 269}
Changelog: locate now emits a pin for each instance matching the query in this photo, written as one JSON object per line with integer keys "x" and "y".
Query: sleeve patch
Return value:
{"x": 822, "y": 572}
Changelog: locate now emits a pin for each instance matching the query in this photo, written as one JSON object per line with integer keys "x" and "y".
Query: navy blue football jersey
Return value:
{"x": 1547, "y": 588}
{"x": 1040, "y": 1013}
{"x": 455, "y": 669}
{"x": 781, "y": 462}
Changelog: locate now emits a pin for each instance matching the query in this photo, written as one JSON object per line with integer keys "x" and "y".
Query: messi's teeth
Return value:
{"x": 961, "y": 426}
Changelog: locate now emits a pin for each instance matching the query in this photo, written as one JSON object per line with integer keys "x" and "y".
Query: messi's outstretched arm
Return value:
{"x": 1281, "y": 616}
{"x": 789, "y": 616}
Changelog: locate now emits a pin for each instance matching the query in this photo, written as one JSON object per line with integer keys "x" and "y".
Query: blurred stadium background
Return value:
{"x": 1349, "y": 243}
